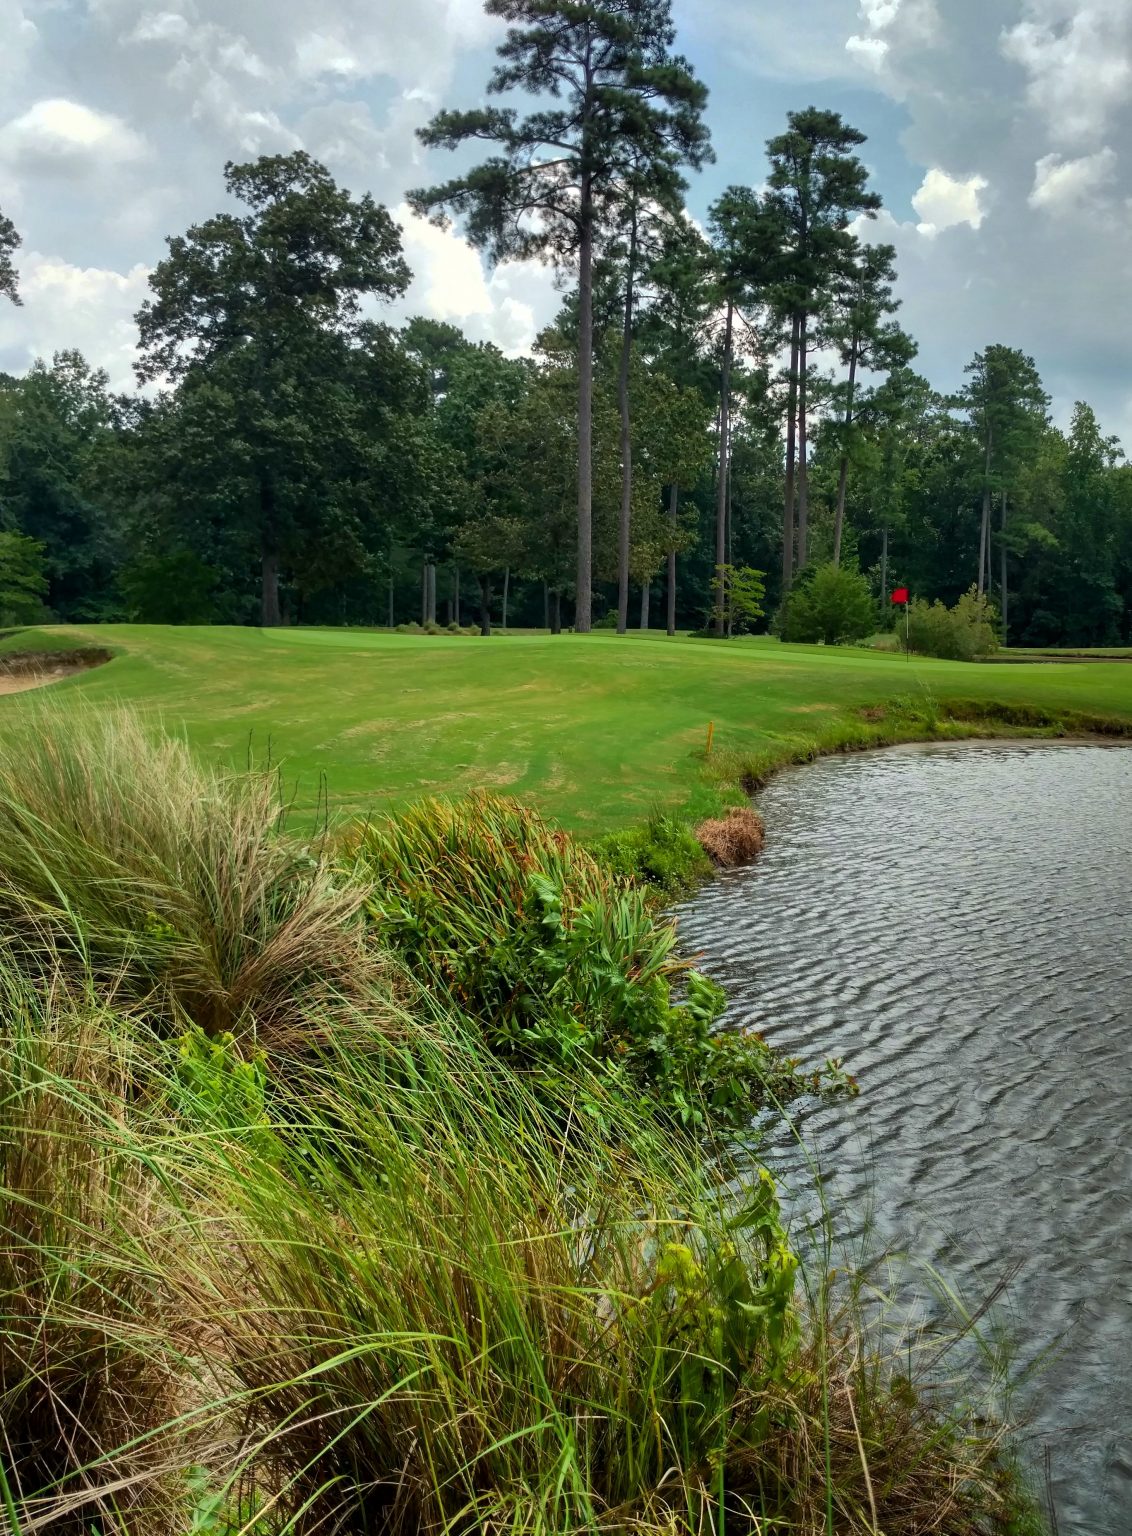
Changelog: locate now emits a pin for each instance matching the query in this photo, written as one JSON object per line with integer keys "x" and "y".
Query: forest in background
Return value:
{"x": 713, "y": 412}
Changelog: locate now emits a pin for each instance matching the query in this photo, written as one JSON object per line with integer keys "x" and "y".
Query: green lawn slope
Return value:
{"x": 595, "y": 730}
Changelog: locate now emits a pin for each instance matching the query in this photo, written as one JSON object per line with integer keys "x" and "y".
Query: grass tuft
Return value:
{"x": 122, "y": 857}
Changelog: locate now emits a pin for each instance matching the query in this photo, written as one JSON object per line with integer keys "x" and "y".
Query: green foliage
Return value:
{"x": 561, "y": 964}
{"x": 832, "y": 605}
{"x": 963, "y": 633}
{"x": 9, "y": 245}
{"x": 661, "y": 852}
{"x": 175, "y": 587}
{"x": 23, "y": 580}
{"x": 743, "y": 593}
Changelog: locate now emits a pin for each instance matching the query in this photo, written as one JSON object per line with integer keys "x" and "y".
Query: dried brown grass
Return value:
{"x": 732, "y": 840}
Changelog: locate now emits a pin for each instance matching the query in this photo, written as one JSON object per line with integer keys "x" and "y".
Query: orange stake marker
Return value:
{"x": 710, "y": 735}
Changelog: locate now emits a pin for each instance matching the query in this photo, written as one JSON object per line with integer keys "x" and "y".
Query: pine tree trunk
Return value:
{"x": 623, "y": 527}
{"x": 803, "y": 445}
{"x": 646, "y": 593}
{"x": 721, "y": 485}
{"x": 456, "y": 592}
{"x": 424, "y": 593}
{"x": 431, "y": 593}
{"x": 506, "y": 593}
{"x": 270, "y": 616}
{"x": 843, "y": 477}
{"x": 556, "y": 612}
{"x": 545, "y": 606}
{"x": 985, "y": 528}
{"x": 1002, "y": 568}
{"x": 673, "y": 514}
{"x": 730, "y": 559}
{"x": 584, "y": 600}
{"x": 884, "y": 568}
{"x": 485, "y": 605}
{"x": 391, "y": 599}
{"x": 791, "y": 451}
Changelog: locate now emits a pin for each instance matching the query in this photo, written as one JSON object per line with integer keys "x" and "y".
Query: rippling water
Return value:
{"x": 956, "y": 923}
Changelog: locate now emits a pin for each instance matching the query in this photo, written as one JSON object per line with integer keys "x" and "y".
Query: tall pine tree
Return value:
{"x": 624, "y": 112}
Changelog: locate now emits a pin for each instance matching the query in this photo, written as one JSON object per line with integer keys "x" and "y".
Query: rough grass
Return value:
{"x": 88, "y": 1394}
{"x": 595, "y": 730}
{"x": 413, "y": 1309}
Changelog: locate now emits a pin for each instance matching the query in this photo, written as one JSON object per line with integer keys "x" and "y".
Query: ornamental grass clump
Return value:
{"x": 123, "y": 857}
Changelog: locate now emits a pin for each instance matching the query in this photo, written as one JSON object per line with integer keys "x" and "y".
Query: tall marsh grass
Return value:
{"x": 396, "y": 1282}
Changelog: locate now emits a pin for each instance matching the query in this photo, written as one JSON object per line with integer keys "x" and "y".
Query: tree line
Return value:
{"x": 715, "y": 416}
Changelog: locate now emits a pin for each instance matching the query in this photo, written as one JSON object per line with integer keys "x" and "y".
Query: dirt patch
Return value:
{"x": 734, "y": 839}
{"x": 21, "y": 671}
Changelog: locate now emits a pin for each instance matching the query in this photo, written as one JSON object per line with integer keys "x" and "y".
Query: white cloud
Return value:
{"x": 871, "y": 51}
{"x": 91, "y": 308}
{"x": 65, "y": 137}
{"x": 889, "y": 23}
{"x": 1063, "y": 186}
{"x": 943, "y": 201}
{"x": 1078, "y": 56}
{"x": 20, "y": 35}
{"x": 507, "y": 307}
{"x": 879, "y": 13}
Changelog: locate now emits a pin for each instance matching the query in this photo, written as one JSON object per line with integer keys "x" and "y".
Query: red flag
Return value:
{"x": 900, "y": 595}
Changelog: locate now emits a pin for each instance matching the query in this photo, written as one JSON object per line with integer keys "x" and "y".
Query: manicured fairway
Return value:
{"x": 594, "y": 729}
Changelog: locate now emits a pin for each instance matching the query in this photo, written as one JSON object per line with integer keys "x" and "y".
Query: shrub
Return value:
{"x": 171, "y": 883}
{"x": 661, "y": 852}
{"x": 962, "y": 633}
{"x": 831, "y": 604}
{"x": 733, "y": 840}
{"x": 559, "y": 963}
{"x": 409, "y": 629}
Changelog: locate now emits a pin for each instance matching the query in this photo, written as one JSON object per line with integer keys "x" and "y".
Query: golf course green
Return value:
{"x": 595, "y": 730}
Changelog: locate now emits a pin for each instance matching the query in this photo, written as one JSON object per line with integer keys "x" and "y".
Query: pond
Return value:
{"x": 956, "y": 923}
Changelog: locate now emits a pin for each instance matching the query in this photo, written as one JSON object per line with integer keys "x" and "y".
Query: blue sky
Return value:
{"x": 1000, "y": 135}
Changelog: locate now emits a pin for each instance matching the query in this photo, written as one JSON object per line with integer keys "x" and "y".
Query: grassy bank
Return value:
{"x": 595, "y": 731}
{"x": 357, "y": 1191}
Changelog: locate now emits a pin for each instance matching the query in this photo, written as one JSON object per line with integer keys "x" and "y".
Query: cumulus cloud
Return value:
{"x": 1064, "y": 186}
{"x": 64, "y": 137}
{"x": 507, "y": 307}
{"x": 1078, "y": 57}
{"x": 888, "y": 24}
{"x": 91, "y": 308}
{"x": 944, "y": 201}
